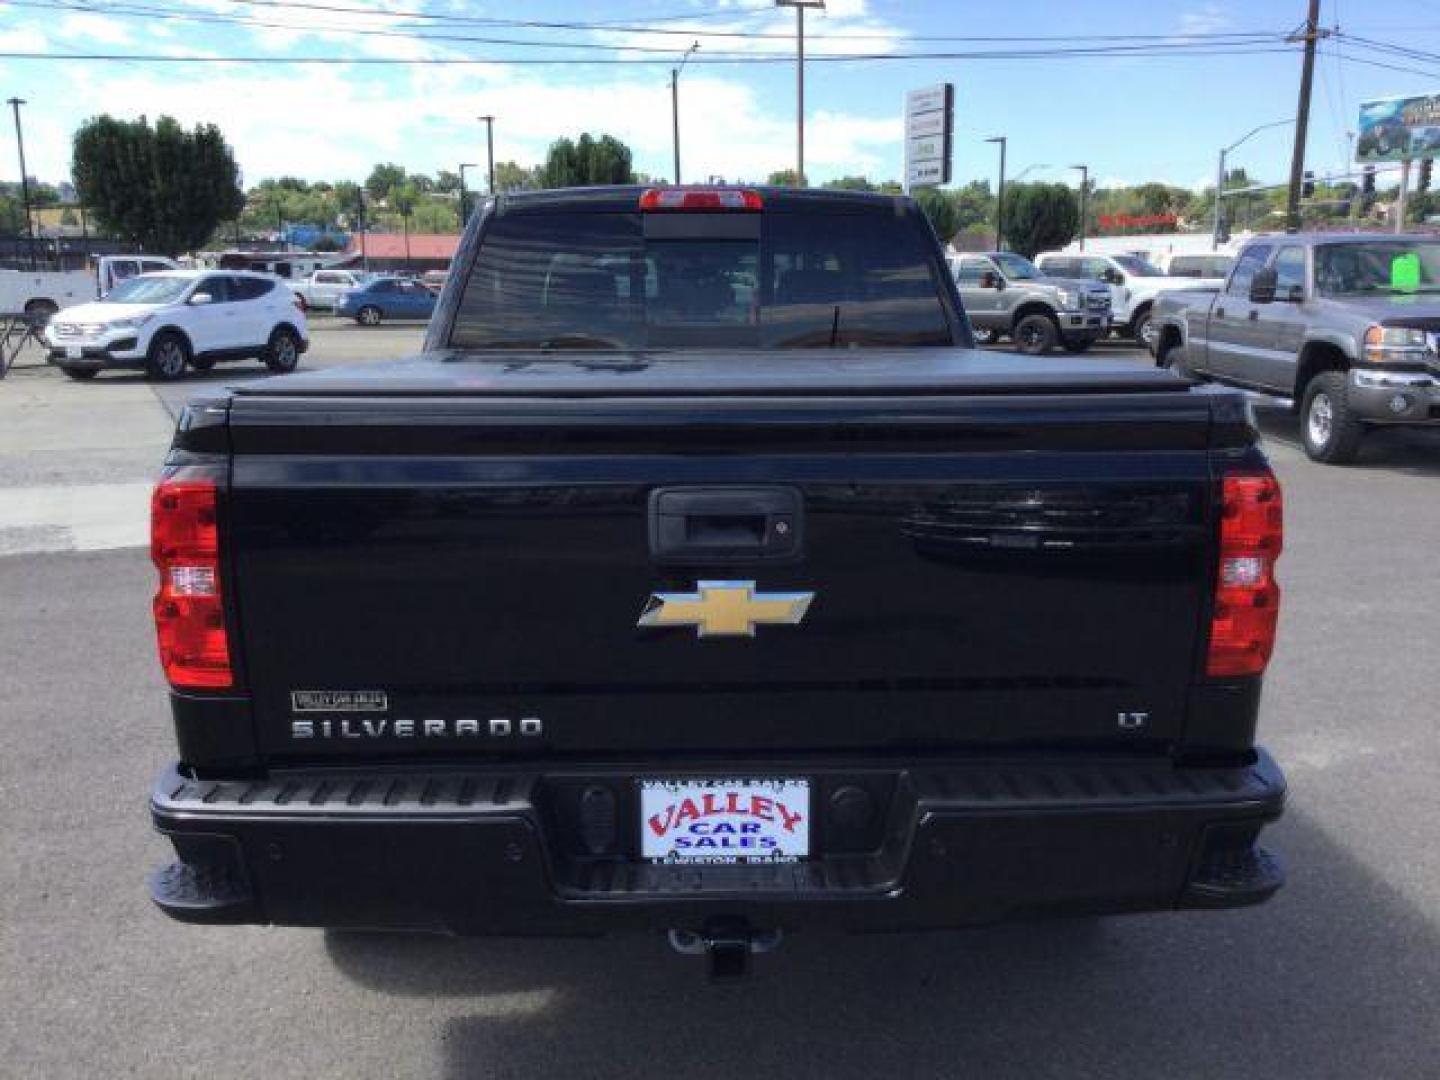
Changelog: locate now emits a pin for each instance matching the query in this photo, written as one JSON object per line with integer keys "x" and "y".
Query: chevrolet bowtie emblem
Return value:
{"x": 725, "y": 609}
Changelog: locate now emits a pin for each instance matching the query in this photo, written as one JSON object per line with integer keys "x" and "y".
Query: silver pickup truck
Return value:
{"x": 1004, "y": 293}
{"x": 1346, "y": 326}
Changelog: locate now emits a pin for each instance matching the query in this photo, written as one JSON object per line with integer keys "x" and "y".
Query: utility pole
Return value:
{"x": 15, "y": 104}
{"x": 1084, "y": 197}
{"x": 1311, "y": 33}
{"x": 800, "y": 6}
{"x": 490, "y": 149}
{"x": 675, "y": 105}
{"x": 1000, "y": 193}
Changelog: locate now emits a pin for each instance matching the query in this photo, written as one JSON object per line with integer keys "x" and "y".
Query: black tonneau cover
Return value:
{"x": 870, "y": 372}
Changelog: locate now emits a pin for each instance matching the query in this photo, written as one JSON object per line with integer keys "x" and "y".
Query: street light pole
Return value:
{"x": 490, "y": 149}
{"x": 1084, "y": 198}
{"x": 15, "y": 104}
{"x": 675, "y": 105}
{"x": 800, "y": 6}
{"x": 1220, "y": 174}
{"x": 1000, "y": 192}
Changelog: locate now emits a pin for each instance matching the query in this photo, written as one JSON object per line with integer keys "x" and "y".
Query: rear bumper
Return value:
{"x": 500, "y": 852}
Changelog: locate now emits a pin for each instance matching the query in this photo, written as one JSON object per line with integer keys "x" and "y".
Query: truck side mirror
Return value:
{"x": 1111, "y": 276}
{"x": 1262, "y": 286}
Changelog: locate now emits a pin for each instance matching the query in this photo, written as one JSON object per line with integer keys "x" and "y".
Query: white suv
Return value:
{"x": 162, "y": 322}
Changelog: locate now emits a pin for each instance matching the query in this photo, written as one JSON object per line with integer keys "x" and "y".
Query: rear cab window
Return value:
{"x": 692, "y": 280}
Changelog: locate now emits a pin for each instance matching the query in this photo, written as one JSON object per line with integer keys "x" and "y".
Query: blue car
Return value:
{"x": 387, "y": 298}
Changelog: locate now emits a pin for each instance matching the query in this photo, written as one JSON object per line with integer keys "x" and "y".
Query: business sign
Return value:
{"x": 1395, "y": 129}
{"x": 929, "y": 135}
{"x": 1138, "y": 221}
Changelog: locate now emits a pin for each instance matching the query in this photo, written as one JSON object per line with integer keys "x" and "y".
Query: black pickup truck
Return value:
{"x": 701, "y": 576}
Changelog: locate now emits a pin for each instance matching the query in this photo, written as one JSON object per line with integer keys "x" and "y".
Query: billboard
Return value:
{"x": 929, "y": 135}
{"x": 1394, "y": 129}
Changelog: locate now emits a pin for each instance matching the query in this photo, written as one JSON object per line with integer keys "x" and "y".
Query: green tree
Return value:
{"x": 850, "y": 183}
{"x": 939, "y": 207}
{"x": 1039, "y": 217}
{"x": 512, "y": 177}
{"x": 383, "y": 178}
{"x": 974, "y": 206}
{"x": 436, "y": 216}
{"x": 587, "y": 161}
{"x": 785, "y": 178}
{"x": 162, "y": 187}
{"x": 447, "y": 182}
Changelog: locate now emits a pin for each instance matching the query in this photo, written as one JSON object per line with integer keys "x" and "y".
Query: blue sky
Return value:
{"x": 1130, "y": 118}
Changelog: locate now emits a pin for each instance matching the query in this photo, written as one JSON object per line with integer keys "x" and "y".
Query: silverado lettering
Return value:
{"x": 1044, "y": 600}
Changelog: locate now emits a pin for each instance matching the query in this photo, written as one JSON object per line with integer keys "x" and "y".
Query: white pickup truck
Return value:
{"x": 1134, "y": 284}
{"x": 44, "y": 292}
{"x": 325, "y": 288}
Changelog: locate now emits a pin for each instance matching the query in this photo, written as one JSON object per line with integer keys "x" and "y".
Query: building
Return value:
{"x": 396, "y": 252}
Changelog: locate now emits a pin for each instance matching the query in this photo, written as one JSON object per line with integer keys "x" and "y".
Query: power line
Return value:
{"x": 1228, "y": 38}
{"x": 563, "y": 61}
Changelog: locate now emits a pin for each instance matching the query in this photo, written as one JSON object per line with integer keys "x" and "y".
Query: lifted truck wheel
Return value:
{"x": 1329, "y": 428}
{"x": 1035, "y": 335}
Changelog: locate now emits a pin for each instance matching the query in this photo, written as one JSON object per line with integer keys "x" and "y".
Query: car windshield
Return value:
{"x": 615, "y": 281}
{"x": 1378, "y": 266}
{"x": 1133, "y": 264}
{"x": 1016, "y": 267}
{"x": 148, "y": 290}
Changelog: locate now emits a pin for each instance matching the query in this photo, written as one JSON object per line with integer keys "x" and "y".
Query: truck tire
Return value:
{"x": 282, "y": 354}
{"x": 1329, "y": 428}
{"x": 168, "y": 355}
{"x": 1142, "y": 328}
{"x": 1035, "y": 335}
{"x": 42, "y": 310}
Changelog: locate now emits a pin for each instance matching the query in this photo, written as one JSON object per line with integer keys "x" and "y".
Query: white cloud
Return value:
{"x": 95, "y": 28}
{"x": 1206, "y": 19}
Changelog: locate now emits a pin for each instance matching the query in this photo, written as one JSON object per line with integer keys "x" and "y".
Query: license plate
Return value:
{"x": 724, "y": 821}
{"x": 74, "y": 352}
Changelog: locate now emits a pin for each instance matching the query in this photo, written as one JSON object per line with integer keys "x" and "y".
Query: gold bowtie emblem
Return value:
{"x": 725, "y": 609}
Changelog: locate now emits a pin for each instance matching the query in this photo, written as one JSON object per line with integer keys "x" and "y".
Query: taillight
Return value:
{"x": 679, "y": 198}
{"x": 189, "y": 610}
{"x": 1247, "y": 599}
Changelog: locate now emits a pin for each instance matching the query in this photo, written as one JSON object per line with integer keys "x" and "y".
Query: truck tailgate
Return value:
{"x": 1006, "y": 568}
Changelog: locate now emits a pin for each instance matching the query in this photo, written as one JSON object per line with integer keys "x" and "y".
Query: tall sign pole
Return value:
{"x": 490, "y": 149}
{"x": 1400, "y": 201}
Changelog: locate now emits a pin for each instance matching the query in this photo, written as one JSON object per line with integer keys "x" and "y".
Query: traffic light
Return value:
{"x": 1426, "y": 164}
{"x": 1367, "y": 183}
{"x": 1307, "y": 186}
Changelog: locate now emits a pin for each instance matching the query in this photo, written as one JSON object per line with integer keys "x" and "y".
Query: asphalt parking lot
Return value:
{"x": 1337, "y": 977}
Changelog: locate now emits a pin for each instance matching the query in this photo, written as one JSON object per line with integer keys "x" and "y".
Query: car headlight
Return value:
{"x": 134, "y": 322}
{"x": 1394, "y": 343}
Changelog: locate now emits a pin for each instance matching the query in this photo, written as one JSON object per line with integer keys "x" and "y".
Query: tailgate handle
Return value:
{"x": 720, "y": 525}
